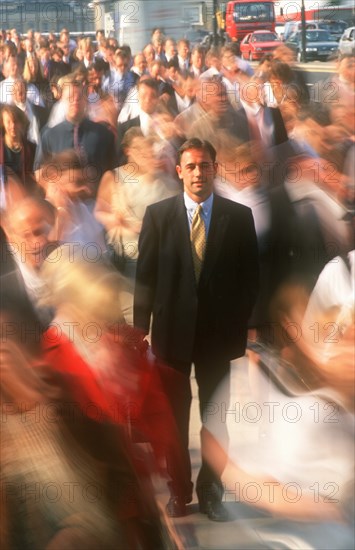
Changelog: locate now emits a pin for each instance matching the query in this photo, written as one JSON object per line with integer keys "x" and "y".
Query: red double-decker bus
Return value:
{"x": 245, "y": 16}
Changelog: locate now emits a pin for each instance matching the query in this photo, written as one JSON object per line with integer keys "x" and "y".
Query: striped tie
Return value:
{"x": 198, "y": 241}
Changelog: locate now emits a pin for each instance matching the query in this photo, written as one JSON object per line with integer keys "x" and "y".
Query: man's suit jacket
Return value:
{"x": 55, "y": 68}
{"x": 300, "y": 247}
{"x": 184, "y": 71}
{"x": 279, "y": 133}
{"x": 208, "y": 318}
{"x": 97, "y": 147}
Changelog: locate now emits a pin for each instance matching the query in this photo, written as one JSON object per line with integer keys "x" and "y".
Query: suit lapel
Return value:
{"x": 218, "y": 225}
{"x": 242, "y": 124}
{"x": 182, "y": 233}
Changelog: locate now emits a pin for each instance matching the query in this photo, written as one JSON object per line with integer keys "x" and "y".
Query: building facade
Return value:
{"x": 47, "y": 15}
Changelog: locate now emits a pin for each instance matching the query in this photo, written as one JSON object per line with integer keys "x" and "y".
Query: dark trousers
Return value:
{"x": 209, "y": 373}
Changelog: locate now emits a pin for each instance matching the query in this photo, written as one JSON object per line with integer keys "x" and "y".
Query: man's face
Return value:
{"x": 213, "y": 97}
{"x": 148, "y": 99}
{"x": 229, "y": 61}
{"x": 155, "y": 70}
{"x": 73, "y": 185}
{"x": 75, "y": 104}
{"x": 140, "y": 63}
{"x": 94, "y": 78}
{"x": 45, "y": 54}
{"x": 64, "y": 38}
{"x": 29, "y": 44}
{"x": 109, "y": 56}
{"x": 120, "y": 64}
{"x": 197, "y": 171}
{"x": 189, "y": 88}
{"x": 157, "y": 35}
{"x": 19, "y": 92}
{"x": 157, "y": 44}
{"x": 170, "y": 48}
{"x": 65, "y": 48}
{"x": 57, "y": 56}
{"x": 87, "y": 52}
{"x": 32, "y": 234}
{"x": 265, "y": 66}
{"x": 197, "y": 59}
{"x": 172, "y": 73}
{"x": 11, "y": 67}
{"x": 183, "y": 50}
{"x": 149, "y": 54}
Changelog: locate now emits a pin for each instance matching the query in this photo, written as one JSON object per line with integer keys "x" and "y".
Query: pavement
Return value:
{"x": 248, "y": 528}
{"x": 244, "y": 531}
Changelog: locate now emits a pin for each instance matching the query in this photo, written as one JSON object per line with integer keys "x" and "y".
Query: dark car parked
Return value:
{"x": 319, "y": 45}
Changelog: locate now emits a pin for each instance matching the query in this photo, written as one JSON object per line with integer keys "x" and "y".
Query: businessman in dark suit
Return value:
{"x": 93, "y": 142}
{"x": 197, "y": 274}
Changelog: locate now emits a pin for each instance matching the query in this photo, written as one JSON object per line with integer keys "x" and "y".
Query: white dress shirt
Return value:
{"x": 146, "y": 121}
{"x": 257, "y": 114}
{"x": 191, "y": 206}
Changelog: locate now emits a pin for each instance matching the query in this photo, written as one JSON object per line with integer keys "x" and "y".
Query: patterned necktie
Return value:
{"x": 76, "y": 139}
{"x": 45, "y": 70}
{"x": 254, "y": 129}
{"x": 198, "y": 241}
{"x": 78, "y": 147}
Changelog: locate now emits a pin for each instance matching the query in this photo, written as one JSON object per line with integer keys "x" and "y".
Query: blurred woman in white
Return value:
{"x": 125, "y": 193}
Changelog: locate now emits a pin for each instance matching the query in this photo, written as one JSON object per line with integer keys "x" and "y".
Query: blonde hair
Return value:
{"x": 90, "y": 288}
{"x": 27, "y": 75}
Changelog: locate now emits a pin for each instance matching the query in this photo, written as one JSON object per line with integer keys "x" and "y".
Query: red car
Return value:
{"x": 258, "y": 43}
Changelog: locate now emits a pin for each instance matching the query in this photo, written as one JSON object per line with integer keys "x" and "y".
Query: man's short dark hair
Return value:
{"x": 183, "y": 41}
{"x": 199, "y": 49}
{"x": 126, "y": 50}
{"x": 99, "y": 65}
{"x": 200, "y": 144}
{"x": 150, "y": 82}
{"x": 172, "y": 63}
{"x": 157, "y": 29}
{"x": 281, "y": 71}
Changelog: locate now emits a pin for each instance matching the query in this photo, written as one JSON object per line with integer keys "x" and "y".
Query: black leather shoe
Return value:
{"x": 215, "y": 510}
{"x": 176, "y": 507}
{"x": 210, "y": 502}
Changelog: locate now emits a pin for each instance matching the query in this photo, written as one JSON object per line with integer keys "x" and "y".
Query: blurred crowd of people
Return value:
{"x": 89, "y": 138}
